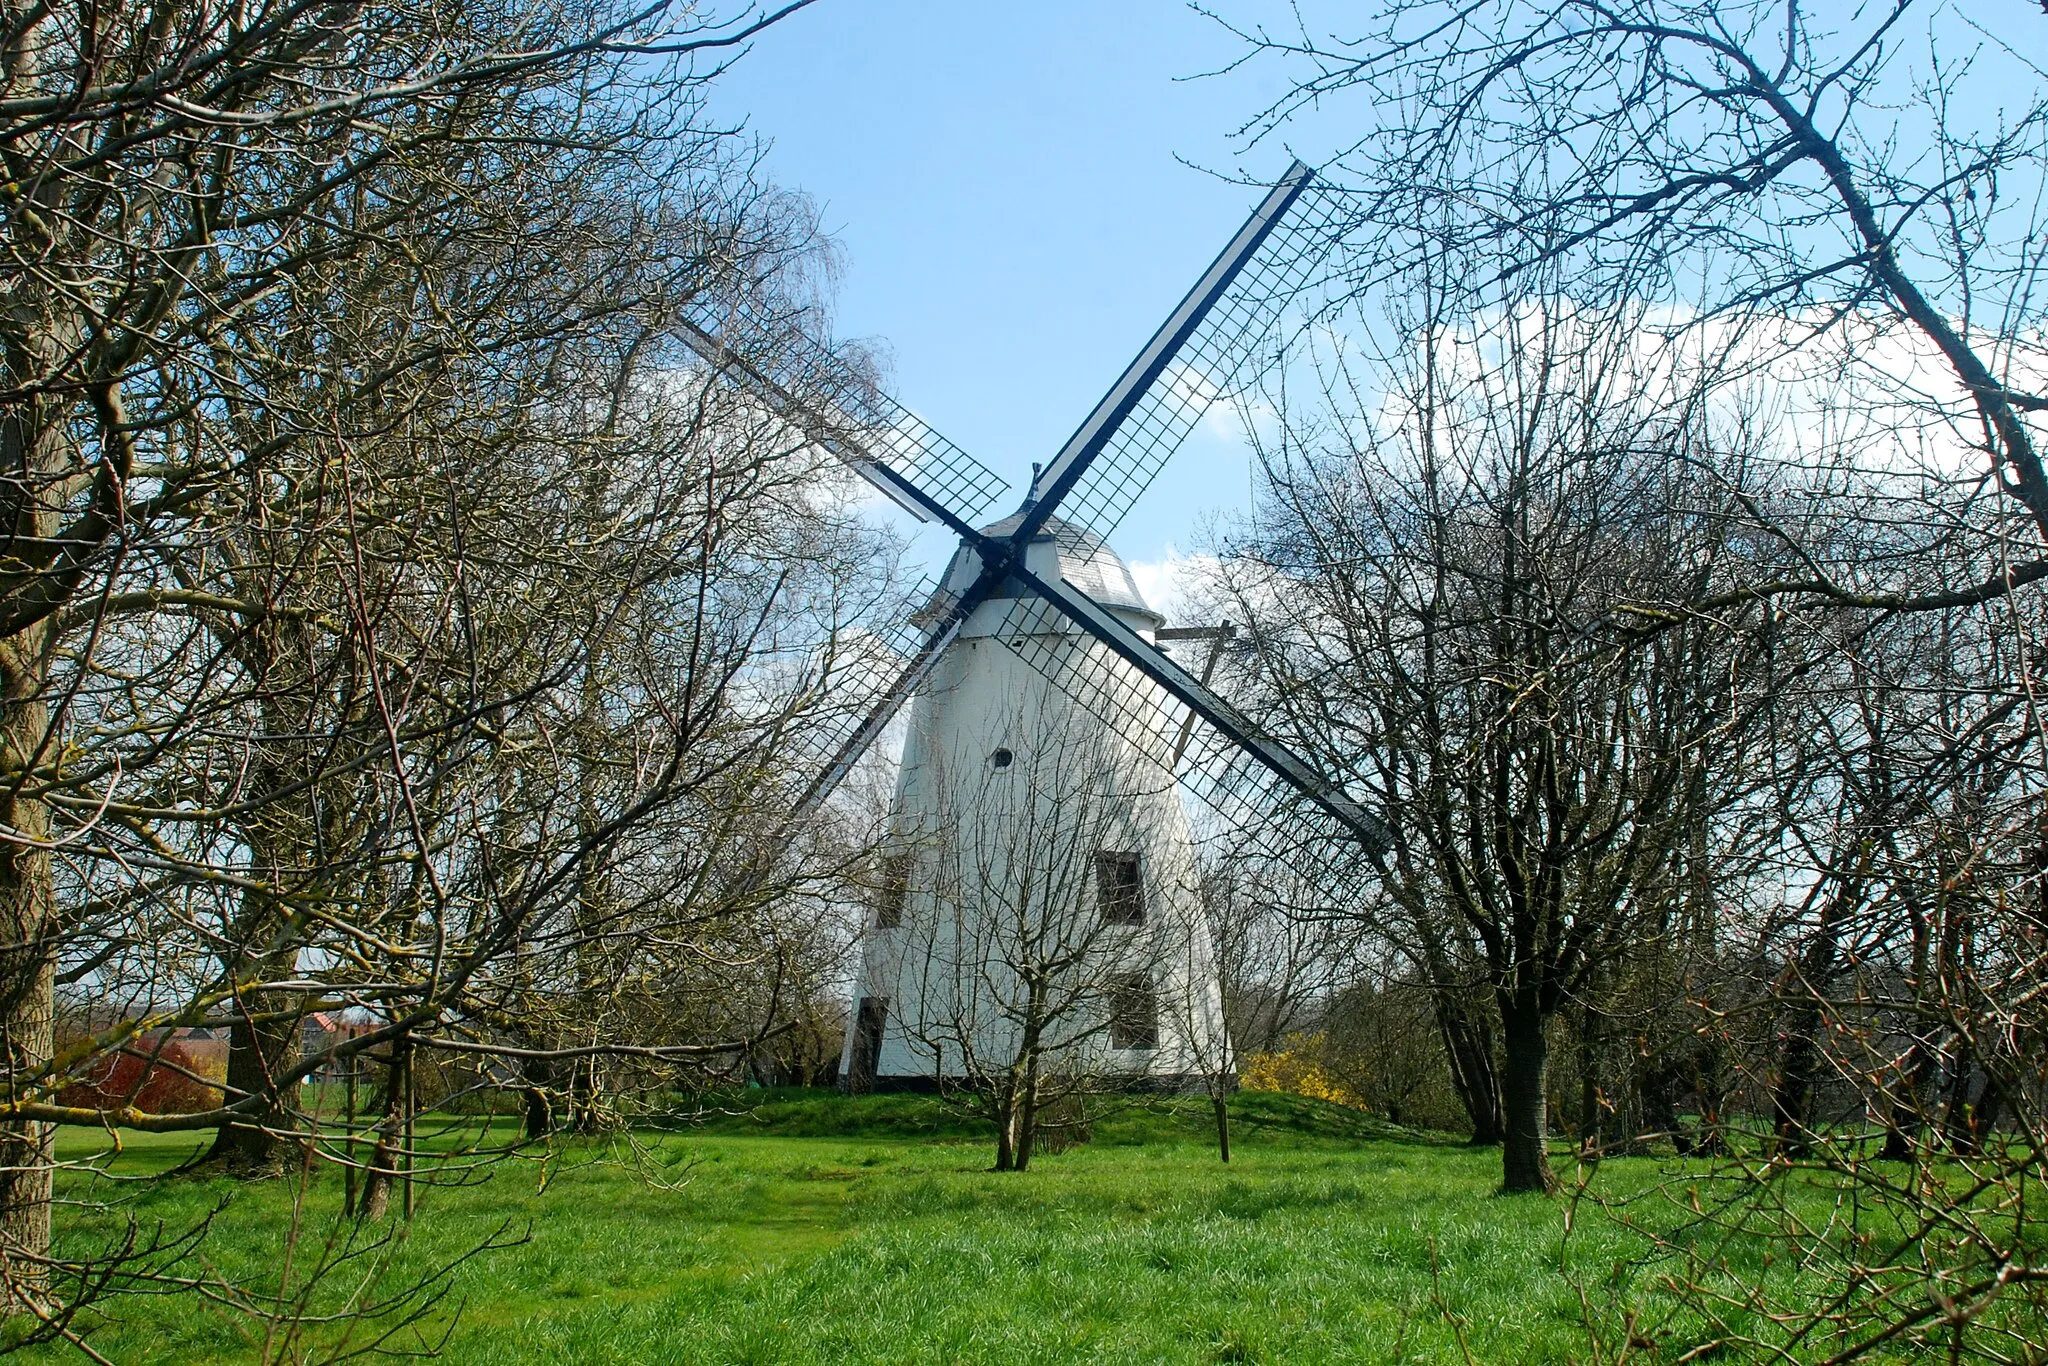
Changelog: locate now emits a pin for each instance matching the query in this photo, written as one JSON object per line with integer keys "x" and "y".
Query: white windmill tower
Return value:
{"x": 1033, "y": 830}
{"x": 1037, "y": 799}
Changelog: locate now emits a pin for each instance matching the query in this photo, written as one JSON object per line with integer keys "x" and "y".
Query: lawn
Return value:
{"x": 827, "y": 1230}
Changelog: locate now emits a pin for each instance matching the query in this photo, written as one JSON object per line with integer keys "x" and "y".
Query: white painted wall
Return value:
{"x": 1002, "y": 858}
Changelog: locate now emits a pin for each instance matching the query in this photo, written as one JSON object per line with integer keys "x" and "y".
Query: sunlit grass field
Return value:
{"x": 825, "y": 1230}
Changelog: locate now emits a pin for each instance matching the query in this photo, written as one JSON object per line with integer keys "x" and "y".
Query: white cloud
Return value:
{"x": 1172, "y": 584}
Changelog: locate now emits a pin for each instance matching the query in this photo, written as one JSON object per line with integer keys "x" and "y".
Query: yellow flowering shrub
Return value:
{"x": 1294, "y": 1070}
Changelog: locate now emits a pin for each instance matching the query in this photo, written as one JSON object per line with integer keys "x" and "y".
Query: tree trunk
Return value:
{"x": 1906, "y": 1112}
{"x": 1906, "y": 1108}
{"x": 1222, "y": 1126}
{"x": 1984, "y": 1114}
{"x": 348, "y": 1113}
{"x": 1592, "y": 1139}
{"x": 266, "y": 936}
{"x": 27, "y": 907}
{"x": 1710, "y": 1085}
{"x": 1469, "y": 1046}
{"x": 539, "y": 1119}
{"x": 1022, "y": 1082}
{"x": 1792, "y": 1098}
{"x": 1955, "y": 1121}
{"x": 1525, "y": 1148}
{"x": 584, "y": 1115}
{"x": 1006, "y": 1127}
{"x": 390, "y": 1149}
{"x": 1027, "y": 1113}
{"x": 1799, "y": 1058}
{"x": 258, "y": 1051}
{"x": 1660, "y": 1110}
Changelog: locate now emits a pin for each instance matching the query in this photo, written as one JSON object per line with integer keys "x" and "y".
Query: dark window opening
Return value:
{"x": 1133, "y": 1012}
{"x": 893, "y": 891}
{"x": 1119, "y": 889}
{"x": 1001, "y": 758}
{"x": 867, "y": 1044}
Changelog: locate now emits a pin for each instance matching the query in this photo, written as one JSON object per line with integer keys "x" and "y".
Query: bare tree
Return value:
{"x": 341, "y": 385}
{"x": 1276, "y": 967}
{"x": 1379, "y": 1038}
{"x": 1836, "y": 188}
{"x": 1847, "y": 208}
{"x": 1422, "y": 580}
{"x": 1033, "y": 970}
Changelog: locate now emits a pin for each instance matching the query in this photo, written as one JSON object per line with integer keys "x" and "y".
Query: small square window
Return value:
{"x": 892, "y": 891}
{"x": 1133, "y": 1012}
{"x": 1119, "y": 889}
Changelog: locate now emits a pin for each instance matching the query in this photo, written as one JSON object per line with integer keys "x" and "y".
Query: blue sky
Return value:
{"x": 1003, "y": 181}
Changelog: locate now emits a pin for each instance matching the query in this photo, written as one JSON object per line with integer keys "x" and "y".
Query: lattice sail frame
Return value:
{"x": 1248, "y": 782}
{"x": 837, "y": 404}
{"x": 1278, "y": 291}
{"x": 1236, "y": 803}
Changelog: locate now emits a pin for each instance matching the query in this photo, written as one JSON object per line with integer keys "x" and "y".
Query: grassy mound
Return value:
{"x": 1264, "y": 1117}
{"x": 804, "y": 1112}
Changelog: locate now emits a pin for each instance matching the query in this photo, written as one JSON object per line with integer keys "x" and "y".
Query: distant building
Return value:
{"x": 321, "y": 1032}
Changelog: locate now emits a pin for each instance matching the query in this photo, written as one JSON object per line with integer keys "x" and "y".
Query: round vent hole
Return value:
{"x": 1002, "y": 758}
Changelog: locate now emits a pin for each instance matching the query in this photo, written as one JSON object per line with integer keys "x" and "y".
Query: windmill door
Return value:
{"x": 867, "y": 1044}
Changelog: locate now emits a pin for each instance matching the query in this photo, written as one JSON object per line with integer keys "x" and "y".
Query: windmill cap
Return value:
{"x": 1058, "y": 550}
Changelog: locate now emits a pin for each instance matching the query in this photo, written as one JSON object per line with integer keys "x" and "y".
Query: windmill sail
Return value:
{"x": 1038, "y": 662}
{"x": 841, "y": 408}
{"x": 1263, "y": 282}
{"x": 1175, "y": 683}
{"x": 1204, "y": 351}
{"x": 873, "y": 683}
{"x": 1255, "y": 798}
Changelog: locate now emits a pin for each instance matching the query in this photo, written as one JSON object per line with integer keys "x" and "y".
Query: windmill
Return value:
{"x": 1035, "y": 617}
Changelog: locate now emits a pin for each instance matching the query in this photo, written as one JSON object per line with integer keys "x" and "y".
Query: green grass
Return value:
{"x": 817, "y": 1229}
